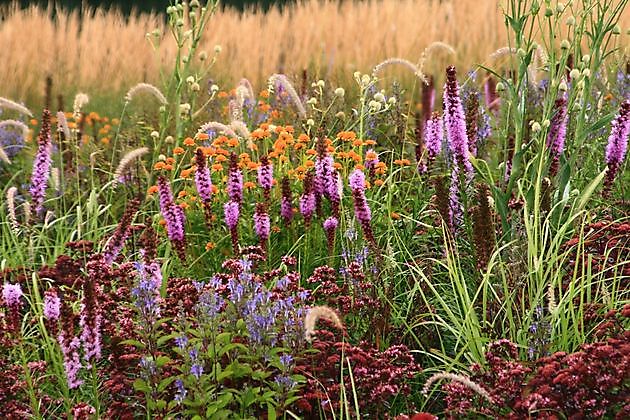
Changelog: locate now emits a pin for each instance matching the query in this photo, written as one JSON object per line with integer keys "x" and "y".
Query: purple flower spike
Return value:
{"x": 433, "y": 136}
{"x": 235, "y": 181}
{"x": 52, "y": 305}
{"x": 232, "y": 213}
{"x": 617, "y": 144}
{"x": 203, "y": 181}
{"x": 286, "y": 206}
{"x": 173, "y": 214}
{"x": 265, "y": 173}
{"x": 357, "y": 180}
{"x": 41, "y": 165}
{"x": 557, "y": 133}
{"x": 11, "y": 293}
{"x": 262, "y": 223}
{"x": 455, "y": 121}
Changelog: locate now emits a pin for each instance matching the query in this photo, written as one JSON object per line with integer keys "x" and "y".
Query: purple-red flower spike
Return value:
{"x": 41, "y": 164}
{"x": 617, "y": 146}
{"x": 455, "y": 122}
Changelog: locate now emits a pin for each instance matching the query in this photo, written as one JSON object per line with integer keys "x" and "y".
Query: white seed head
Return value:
{"x": 571, "y": 21}
{"x": 546, "y": 123}
{"x": 217, "y": 49}
{"x": 586, "y": 72}
{"x": 563, "y": 86}
{"x": 310, "y": 122}
{"x": 536, "y": 127}
{"x": 155, "y": 134}
{"x": 321, "y": 83}
{"x": 574, "y": 74}
{"x": 214, "y": 88}
{"x": 379, "y": 97}
{"x": 162, "y": 158}
{"x": 340, "y": 92}
{"x": 565, "y": 44}
{"x": 190, "y": 80}
{"x": 195, "y": 87}
{"x": 169, "y": 140}
{"x": 203, "y": 56}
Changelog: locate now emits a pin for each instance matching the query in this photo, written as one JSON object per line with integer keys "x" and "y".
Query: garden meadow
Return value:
{"x": 216, "y": 215}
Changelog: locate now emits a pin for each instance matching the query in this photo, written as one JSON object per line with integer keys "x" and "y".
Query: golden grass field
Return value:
{"x": 108, "y": 52}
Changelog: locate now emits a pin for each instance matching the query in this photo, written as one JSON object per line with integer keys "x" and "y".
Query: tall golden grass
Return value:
{"x": 105, "y": 51}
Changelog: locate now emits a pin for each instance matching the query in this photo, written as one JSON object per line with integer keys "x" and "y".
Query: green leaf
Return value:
{"x": 162, "y": 360}
{"x": 590, "y": 189}
{"x": 141, "y": 385}
{"x": 164, "y": 383}
{"x": 271, "y": 412}
{"x": 137, "y": 344}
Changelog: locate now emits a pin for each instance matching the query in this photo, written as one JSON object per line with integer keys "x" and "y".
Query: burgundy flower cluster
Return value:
{"x": 378, "y": 375}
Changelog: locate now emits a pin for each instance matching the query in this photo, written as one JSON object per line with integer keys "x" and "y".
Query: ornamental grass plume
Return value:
{"x": 126, "y": 161}
{"x": 117, "y": 241}
{"x": 401, "y": 61}
{"x": 280, "y": 80}
{"x": 146, "y": 88}
{"x": 557, "y": 133}
{"x": 231, "y": 211}
{"x": 455, "y": 122}
{"x": 361, "y": 209}
{"x": 617, "y": 145}
{"x": 14, "y": 106}
{"x": 214, "y": 126}
{"x": 11, "y": 208}
{"x": 265, "y": 177}
{"x": 15, "y": 123}
{"x": 262, "y": 224}
{"x": 286, "y": 202}
{"x": 41, "y": 164}
{"x": 203, "y": 183}
{"x": 458, "y": 378}
{"x": 316, "y": 313}
{"x": 235, "y": 181}
{"x": 173, "y": 216}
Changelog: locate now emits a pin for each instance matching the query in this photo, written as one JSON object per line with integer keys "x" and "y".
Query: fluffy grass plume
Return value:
{"x": 126, "y": 161}
{"x": 457, "y": 378}
{"x": 313, "y": 315}
{"x": 146, "y": 88}
{"x": 14, "y": 106}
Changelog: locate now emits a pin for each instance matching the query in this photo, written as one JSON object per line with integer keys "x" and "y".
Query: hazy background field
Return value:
{"x": 106, "y": 52}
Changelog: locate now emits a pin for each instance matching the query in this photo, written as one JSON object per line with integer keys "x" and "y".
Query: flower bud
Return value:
{"x": 217, "y": 49}
{"x": 500, "y": 87}
{"x": 203, "y": 56}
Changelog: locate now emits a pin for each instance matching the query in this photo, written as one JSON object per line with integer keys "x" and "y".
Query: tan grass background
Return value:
{"x": 108, "y": 52}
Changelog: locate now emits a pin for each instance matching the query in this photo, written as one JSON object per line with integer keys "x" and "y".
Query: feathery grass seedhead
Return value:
{"x": 401, "y": 61}
{"x": 316, "y": 313}
{"x": 216, "y": 127}
{"x": 15, "y": 123}
{"x": 126, "y": 161}
{"x": 277, "y": 80}
{"x": 14, "y": 106}
{"x": 146, "y": 88}
{"x": 458, "y": 378}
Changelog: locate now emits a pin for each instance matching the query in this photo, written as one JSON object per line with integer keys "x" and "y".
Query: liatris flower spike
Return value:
{"x": 617, "y": 145}
{"x": 41, "y": 165}
{"x": 231, "y": 211}
{"x": 262, "y": 224}
{"x": 455, "y": 121}
{"x": 286, "y": 206}
{"x": 557, "y": 133}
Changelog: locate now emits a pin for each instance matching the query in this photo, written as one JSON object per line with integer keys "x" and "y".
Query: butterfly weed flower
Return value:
{"x": 617, "y": 145}
{"x": 41, "y": 164}
{"x": 286, "y": 202}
